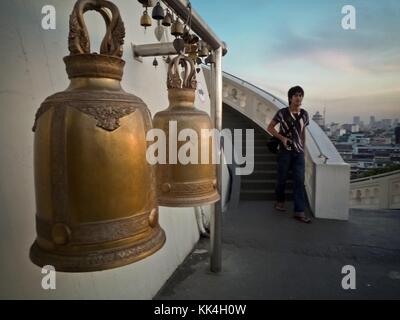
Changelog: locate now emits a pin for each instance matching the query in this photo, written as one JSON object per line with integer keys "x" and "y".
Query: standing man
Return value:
{"x": 292, "y": 121}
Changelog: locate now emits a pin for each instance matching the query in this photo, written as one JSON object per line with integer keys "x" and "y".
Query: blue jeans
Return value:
{"x": 291, "y": 160}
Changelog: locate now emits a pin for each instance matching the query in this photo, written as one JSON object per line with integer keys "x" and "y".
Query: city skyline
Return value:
{"x": 363, "y": 119}
{"x": 279, "y": 44}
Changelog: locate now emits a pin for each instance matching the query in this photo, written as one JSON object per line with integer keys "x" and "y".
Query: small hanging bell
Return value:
{"x": 158, "y": 12}
{"x": 147, "y": 3}
{"x": 203, "y": 52}
{"x": 145, "y": 20}
{"x": 179, "y": 45}
{"x": 167, "y": 21}
{"x": 155, "y": 63}
{"x": 177, "y": 28}
{"x": 203, "y": 49}
{"x": 210, "y": 59}
{"x": 192, "y": 52}
{"x": 194, "y": 39}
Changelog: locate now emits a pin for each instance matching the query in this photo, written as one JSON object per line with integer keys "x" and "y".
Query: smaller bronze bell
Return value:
{"x": 167, "y": 21}
{"x": 147, "y": 3}
{"x": 177, "y": 28}
{"x": 210, "y": 59}
{"x": 192, "y": 52}
{"x": 187, "y": 184}
{"x": 203, "y": 52}
{"x": 145, "y": 20}
{"x": 203, "y": 49}
{"x": 158, "y": 12}
{"x": 192, "y": 49}
{"x": 193, "y": 39}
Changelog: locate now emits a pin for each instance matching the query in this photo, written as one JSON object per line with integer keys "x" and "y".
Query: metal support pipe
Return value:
{"x": 153, "y": 49}
{"x": 198, "y": 25}
{"x": 216, "y": 221}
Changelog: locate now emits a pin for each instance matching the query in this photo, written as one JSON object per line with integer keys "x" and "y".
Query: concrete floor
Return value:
{"x": 270, "y": 255}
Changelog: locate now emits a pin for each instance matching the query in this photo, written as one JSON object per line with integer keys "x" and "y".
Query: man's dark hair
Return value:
{"x": 293, "y": 91}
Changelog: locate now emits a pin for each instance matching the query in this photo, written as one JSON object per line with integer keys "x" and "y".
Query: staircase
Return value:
{"x": 260, "y": 185}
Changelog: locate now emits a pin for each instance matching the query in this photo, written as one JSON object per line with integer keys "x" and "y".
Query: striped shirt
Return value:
{"x": 286, "y": 119}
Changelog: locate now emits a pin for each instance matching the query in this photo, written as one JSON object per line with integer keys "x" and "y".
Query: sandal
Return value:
{"x": 279, "y": 208}
{"x": 303, "y": 219}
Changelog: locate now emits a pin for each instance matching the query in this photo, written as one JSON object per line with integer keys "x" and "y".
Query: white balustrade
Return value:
{"x": 376, "y": 192}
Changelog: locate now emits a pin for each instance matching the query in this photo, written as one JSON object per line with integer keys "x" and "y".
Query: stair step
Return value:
{"x": 265, "y": 165}
{"x": 260, "y": 195}
{"x": 262, "y": 184}
{"x": 265, "y": 157}
{"x": 264, "y": 174}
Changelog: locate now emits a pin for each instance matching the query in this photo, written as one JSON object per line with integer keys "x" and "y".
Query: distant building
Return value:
{"x": 355, "y": 128}
{"x": 345, "y": 149}
{"x": 334, "y": 129}
{"x": 371, "y": 121}
{"x": 349, "y": 127}
{"x": 319, "y": 119}
{"x": 342, "y": 132}
{"x": 397, "y": 134}
{"x": 358, "y": 138}
{"x": 386, "y": 124}
{"x": 356, "y": 120}
{"x": 381, "y": 141}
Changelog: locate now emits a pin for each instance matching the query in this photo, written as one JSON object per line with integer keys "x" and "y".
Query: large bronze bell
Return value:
{"x": 95, "y": 191}
{"x": 191, "y": 184}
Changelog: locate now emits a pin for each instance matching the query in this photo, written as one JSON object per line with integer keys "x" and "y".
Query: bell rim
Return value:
{"x": 76, "y": 263}
{"x": 185, "y": 202}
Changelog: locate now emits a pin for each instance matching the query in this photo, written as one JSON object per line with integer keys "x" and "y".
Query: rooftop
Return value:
{"x": 269, "y": 255}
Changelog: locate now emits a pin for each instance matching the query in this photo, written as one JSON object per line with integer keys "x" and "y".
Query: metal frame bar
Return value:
{"x": 216, "y": 222}
{"x": 153, "y": 50}
{"x": 206, "y": 34}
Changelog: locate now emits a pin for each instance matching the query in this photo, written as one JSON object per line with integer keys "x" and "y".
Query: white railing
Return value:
{"x": 327, "y": 175}
{"x": 381, "y": 191}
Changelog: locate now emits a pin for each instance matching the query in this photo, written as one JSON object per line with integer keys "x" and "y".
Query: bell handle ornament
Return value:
{"x": 175, "y": 80}
{"x": 78, "y": 39}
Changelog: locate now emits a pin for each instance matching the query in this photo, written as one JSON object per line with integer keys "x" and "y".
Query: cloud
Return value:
{"x": 372, "y": 48}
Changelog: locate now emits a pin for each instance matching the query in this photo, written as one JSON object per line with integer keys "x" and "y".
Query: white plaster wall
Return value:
{"x": 31, "y": 69}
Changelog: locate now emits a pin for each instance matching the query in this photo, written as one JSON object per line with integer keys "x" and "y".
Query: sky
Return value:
{"x": 277, "y": 44}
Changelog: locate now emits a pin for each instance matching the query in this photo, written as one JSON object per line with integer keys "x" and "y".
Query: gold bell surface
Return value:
{"x": 177, "y": 28}
{"x": 145, "y": 20}
{"x": 96, "y": 202}
{"x": 185, "y": 185}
